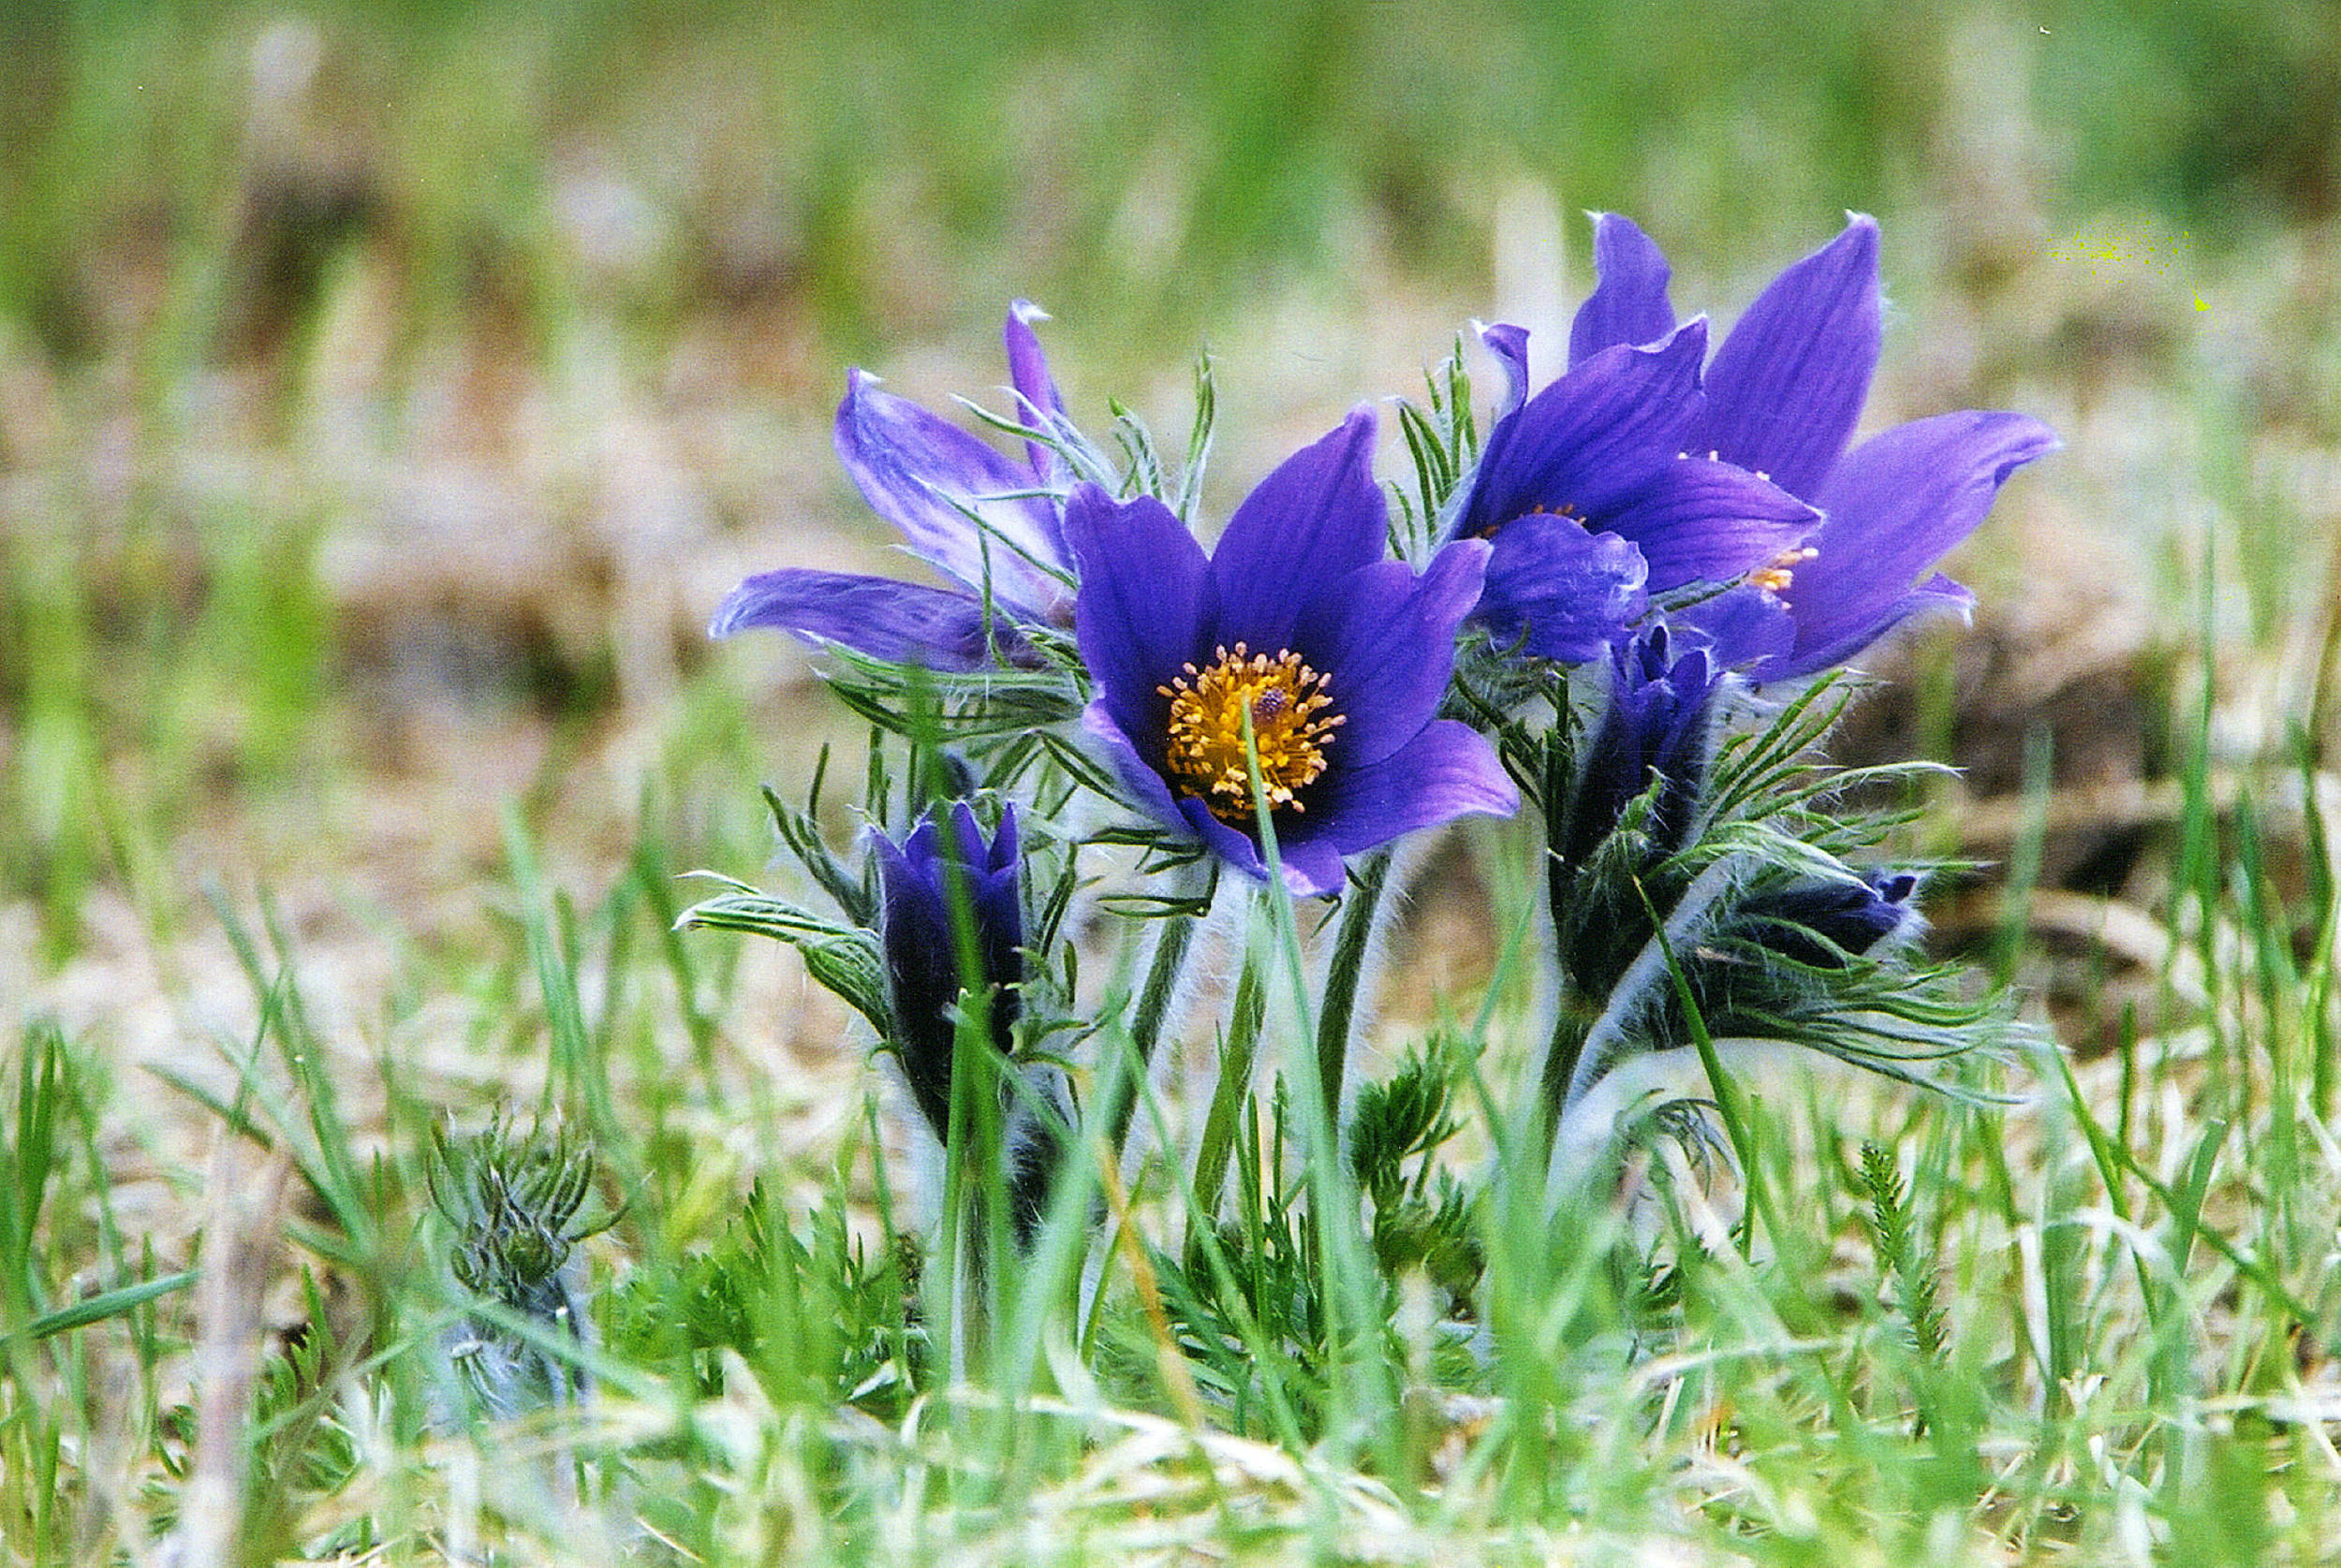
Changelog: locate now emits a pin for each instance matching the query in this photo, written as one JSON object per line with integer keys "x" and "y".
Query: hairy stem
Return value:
{"x": 1342, "y": 980}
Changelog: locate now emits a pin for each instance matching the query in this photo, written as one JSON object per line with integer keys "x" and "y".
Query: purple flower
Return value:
{"x": 1660, "y": 722}
{"x": 1822, "y": 924}
{"x": 1338, "y": 656}
{"x": 924, "y": 980}
{"x": 1782, "y": 397}
{"x": 987, "y": 521}
{"x": 1595, "y": 496}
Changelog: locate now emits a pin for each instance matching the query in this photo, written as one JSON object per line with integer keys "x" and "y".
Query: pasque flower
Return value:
{"x": 1596, "y": 495}
{"x": 1782, "y": 396}
{"x": 1660, "y": 728}
{"x": 1337, "y": 657}
{"x": 988, "y": 521}
{"x": 938, "y": 869}
{"x": 1822, "y": 924}
{"x": 919, "y": 882}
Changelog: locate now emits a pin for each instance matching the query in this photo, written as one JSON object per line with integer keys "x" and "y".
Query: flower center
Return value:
{"x": 1776, "y": 576}
{"x": 1291, "y": 728}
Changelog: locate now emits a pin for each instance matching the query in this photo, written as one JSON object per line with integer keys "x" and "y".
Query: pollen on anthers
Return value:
{"x": 1779, "y": 574}
{"x": 1292, "y": 728}
{"x": 1566, "y": 510}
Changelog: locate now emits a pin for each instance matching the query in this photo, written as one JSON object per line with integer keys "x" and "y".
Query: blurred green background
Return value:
{"x": 388, "y": 390}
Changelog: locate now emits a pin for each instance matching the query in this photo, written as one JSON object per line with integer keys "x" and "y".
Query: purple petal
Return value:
{"x": 1447, "y": 771}
{"x": 926, "y": 476}
{"x": 939, "y": 627}
{"x": 1745, "y": 626}
{"x": 1312, "y": 862}
{"x": 1936, "y": 596}
{"x": 1702, "y": 521}
{"x": 1592, "y": 437}
{"x": 1139, "y": 620}
{"x": 1896, "y": 504}
{"x": 1141, "y": 773}
{"x": 1386, "y": 641}
{"x": 1786, "y": 389}
{"x": 1028, "y": 372}
{"x": 1629, "y": 305}
{"x": 971, "y": 851}
{"x": 1510, "y": 344}
{"x": 1006, "y": 850}
{"x": 1560, "y": 591}
{"x": 1317, "y": 518}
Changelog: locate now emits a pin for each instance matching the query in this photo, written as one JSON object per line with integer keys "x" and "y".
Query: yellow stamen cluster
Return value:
{"x": 1780, "y": 574}
{"x": 1291, "y": 728}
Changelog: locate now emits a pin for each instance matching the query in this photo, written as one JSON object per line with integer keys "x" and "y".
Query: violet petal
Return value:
{"x": 1786, "y": 388}
{"x": 1385, "y": 640}
{"x": 1702, "y": 521}
{"x": 1318, "y": 517}
{"x": 1628, "y": 304}
{"x": 1036, "y": 389}
{"x": 1510, "y": 344}
{"x": 1448, "y": 770}
{"x": 1590, "y": 437}
{"x": 1746, "y": 626}
{"x": 903, "y": 621}
{"x": 1144, "y": 582}
{"x": 1896, "y": 504}
{"x": 1568, "y": 592}
{"x": 958, "y": 501}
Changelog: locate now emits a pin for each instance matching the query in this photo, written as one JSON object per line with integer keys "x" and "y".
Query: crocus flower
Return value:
{"x": 1338, "y": 658}
{"x": 1782, "y": 397}
{"x": 988, "y": 521}
{"x": 919, "y": 879}
{"x": 1595, "y": 496}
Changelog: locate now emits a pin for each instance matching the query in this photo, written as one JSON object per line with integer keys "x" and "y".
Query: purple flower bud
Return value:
{"x": 1821, "y": 925}
{"x": 1660, "y": 723}
{"x": 918, "y": 880}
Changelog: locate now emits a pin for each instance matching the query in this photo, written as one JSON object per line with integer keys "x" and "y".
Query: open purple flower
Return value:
{"x": 1782, "y": 397}
{"x": 1595, "y": 496}
{"x": 924, "y": 980}
{"x": 1338, "y": 658}
{"x": 986, "y": 521}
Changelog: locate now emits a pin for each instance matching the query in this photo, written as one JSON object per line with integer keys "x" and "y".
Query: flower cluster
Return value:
{"x": 1623, "y": 609}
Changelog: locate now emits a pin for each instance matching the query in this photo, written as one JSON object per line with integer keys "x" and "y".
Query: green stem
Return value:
{"x": 1177, "y": 936}
{"x": 1736, "y": 1126}
{"x": 1236, "y": 1057}
{"x": 1348, "y": 969}
{"x": 1572, "y": 1021}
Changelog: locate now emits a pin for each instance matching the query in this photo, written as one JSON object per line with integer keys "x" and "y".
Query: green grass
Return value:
{"x": 2092, "y": 1322}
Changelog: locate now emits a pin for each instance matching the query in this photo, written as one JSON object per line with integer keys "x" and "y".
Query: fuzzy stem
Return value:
{"x": 1589, "y": 1048}
{"x": 1342, "y": 979}
{"x": 1171, "y": 945}
{"x": 1241, "y": 1049}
